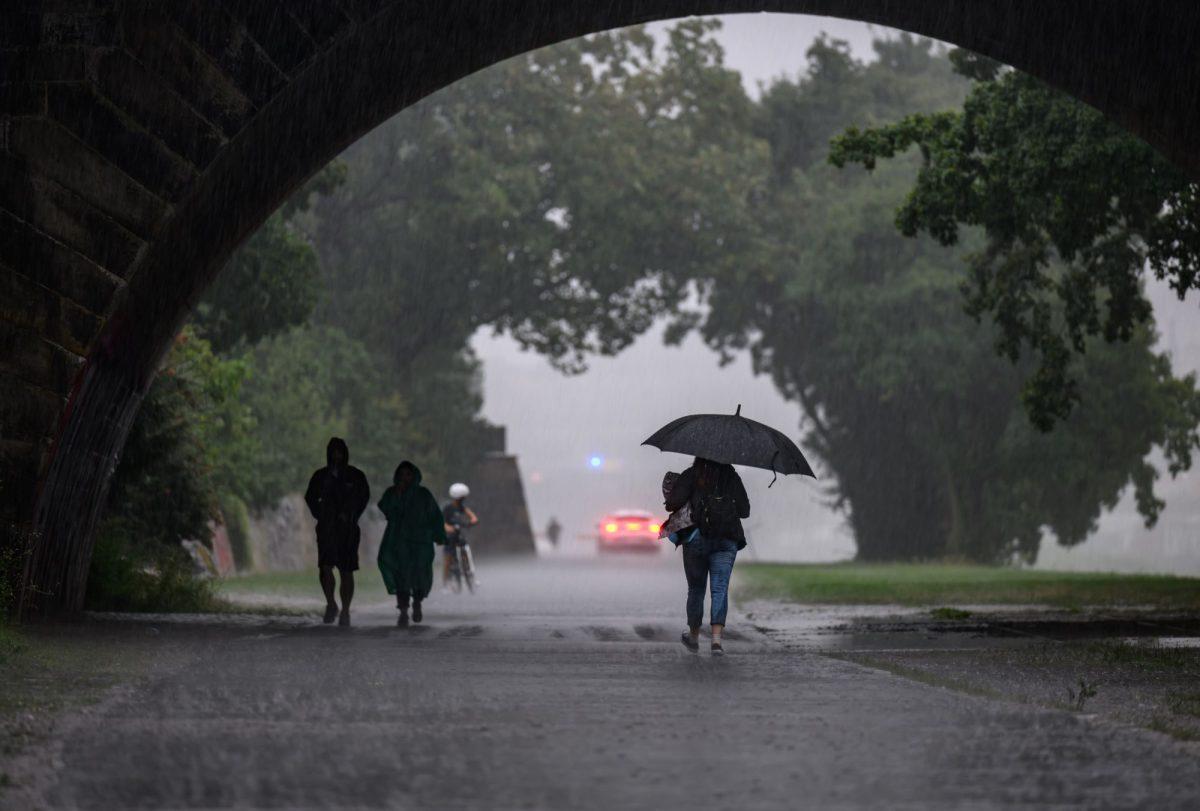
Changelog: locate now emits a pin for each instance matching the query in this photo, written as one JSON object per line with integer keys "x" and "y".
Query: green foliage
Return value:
{"x": 564, "y": 197}
{"x": 1073, "y": 207}
{"x": 270, "y": 285}
{"x": 941, "y": 584}
{"x": 313, "y": 383}
{"x": 906, "y": 403}
{"x": 236, "y": 518}
{"x": 126, "y": 576}
{"x": 191, "y": 440}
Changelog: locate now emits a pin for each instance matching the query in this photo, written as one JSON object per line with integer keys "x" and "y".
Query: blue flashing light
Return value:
{"x": 596, "y": 461}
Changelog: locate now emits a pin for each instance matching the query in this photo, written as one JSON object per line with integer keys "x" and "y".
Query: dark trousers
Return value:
{"x": 708, "y": 564}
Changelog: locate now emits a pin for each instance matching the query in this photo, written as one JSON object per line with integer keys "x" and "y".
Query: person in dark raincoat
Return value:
{"x": 414, "y": 526}
{"x": 337, "y": 494}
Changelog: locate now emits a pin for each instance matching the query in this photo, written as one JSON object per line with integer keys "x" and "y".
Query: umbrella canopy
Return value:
{"x": 731, "y": 439}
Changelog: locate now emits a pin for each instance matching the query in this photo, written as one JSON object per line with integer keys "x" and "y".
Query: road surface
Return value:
{"x": 563, "y": 685}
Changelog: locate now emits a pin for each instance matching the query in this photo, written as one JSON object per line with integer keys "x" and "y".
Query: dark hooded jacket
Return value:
{"x": 414, "y": 525}
{"x": 337, "y": 495}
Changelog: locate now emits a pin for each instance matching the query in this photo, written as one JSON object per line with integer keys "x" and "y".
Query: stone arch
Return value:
{"x": 142, "y": 141}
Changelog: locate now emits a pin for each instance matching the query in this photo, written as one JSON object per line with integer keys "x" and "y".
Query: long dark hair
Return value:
{"x": 711, "y": 477}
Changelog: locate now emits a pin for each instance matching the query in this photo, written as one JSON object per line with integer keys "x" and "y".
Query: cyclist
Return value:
{"x": 458, "y": 517}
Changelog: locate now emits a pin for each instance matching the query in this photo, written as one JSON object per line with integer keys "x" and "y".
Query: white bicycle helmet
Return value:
{"x": 459, "y": 490}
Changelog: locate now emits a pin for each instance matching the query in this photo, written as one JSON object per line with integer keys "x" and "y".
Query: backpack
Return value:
{"x": 715, "y": 515}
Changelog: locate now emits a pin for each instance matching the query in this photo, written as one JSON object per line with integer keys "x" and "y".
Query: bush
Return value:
{"x": 236, "y": 517}
{"x": 124, "y": 577}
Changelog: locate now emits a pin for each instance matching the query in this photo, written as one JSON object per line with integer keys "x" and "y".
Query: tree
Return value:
{"x": 906, "y": 403}
{"x": 191, "y": 440}
{"x": 564, "y": 197}
{"x": 271, "y": 283}
{"x": 312, "y": 383}
{"x": 1074, "y": 210}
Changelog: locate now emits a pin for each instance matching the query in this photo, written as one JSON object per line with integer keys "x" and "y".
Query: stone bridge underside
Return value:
{"x": 141, "y": 142}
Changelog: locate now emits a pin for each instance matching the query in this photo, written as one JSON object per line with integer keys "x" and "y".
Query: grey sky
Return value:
{"x": 764, "y": 46}
{"x": 555, "y": 424}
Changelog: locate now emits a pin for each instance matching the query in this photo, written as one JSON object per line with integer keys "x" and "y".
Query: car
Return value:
{"x": 629, "y": 530}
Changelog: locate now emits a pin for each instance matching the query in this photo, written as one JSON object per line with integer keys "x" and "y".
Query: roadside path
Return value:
{"x": 562, "y": 685}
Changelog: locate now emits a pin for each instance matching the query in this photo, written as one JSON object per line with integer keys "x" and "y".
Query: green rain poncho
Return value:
{"x": 414, "y": 525}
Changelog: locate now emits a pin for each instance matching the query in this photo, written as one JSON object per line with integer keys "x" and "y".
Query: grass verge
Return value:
{"x": 301, "y": 585}
{"x": 916, "y": 584}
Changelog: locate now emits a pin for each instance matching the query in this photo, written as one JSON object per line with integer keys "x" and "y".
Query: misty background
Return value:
{"x": 556, "y": 424}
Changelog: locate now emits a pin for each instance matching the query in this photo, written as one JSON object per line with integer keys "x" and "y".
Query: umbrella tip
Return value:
{"x": 738, "y": 413}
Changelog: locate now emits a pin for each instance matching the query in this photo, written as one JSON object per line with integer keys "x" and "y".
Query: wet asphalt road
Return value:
{"x": 562, "y": 685}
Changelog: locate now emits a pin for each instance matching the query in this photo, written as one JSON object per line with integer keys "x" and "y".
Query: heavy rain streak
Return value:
{"x": 748, "y": 411}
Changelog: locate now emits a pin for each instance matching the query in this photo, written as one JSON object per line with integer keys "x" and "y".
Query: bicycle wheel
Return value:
{"x": 468, "y": 569}
{"x": 455, "y": 572}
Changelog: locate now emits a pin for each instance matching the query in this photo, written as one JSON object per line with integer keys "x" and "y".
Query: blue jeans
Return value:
{"x": 708, "y": 563}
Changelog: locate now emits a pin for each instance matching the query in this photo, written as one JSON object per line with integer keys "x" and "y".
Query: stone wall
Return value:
{"x": 284, "y": 538}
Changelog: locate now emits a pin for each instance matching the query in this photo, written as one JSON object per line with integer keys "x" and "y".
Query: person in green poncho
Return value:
{"x": 414, "y": 525}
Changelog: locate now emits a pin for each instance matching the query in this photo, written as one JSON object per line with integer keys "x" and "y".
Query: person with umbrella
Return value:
{"x": 710, "y": 497}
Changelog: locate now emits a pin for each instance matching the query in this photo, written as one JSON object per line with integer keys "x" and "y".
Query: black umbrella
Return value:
{"x": 732, "y": 439}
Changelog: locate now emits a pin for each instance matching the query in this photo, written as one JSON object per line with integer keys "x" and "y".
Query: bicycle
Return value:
{"x": 462, "y": 565}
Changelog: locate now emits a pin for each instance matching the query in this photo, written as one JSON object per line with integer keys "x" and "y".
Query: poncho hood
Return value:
{"x": 407, "y": 464}
{"x": 336, "y": 443}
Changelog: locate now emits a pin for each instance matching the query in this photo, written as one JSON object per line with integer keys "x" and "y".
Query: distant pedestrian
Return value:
{"x": 553, "y": 531}
{"x": 717, "y": 501}
{"x": 336, "y": 496}
{"x": 414, "y": 526}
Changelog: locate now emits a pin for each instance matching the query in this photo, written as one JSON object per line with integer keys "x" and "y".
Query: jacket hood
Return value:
{"x": 407, "y": 464}
{"x": 336, "y": 443}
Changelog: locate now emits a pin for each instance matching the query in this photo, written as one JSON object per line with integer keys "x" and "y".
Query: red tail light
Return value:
{"x": 610, "y": 527}
{"x": 633, "y": 526}
{"x": 655, "y": 528}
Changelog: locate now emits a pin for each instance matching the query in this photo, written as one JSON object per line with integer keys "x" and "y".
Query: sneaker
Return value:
{"x": 417, "y": 611}
{"x": 402, "y": 620}
{"x": 717, "y": 650}
{"x": 331, "y": 613}
{"x": 691, "y": 644}
{"x": 344, "y": 618}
